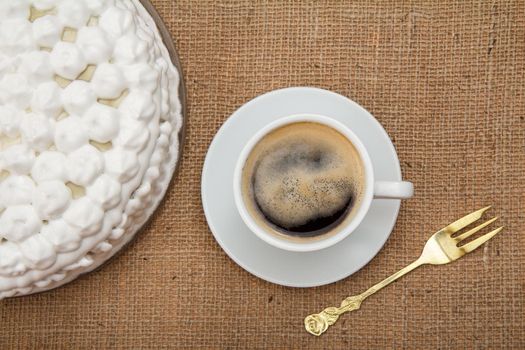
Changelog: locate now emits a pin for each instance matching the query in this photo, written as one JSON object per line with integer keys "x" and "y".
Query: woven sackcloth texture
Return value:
{"x": 446, "y": 80}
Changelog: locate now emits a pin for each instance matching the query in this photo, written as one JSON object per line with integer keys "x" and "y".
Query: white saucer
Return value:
{"x": 245, "y": 248}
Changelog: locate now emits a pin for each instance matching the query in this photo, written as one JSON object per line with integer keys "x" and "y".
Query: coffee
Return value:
{"x": 303, "y": 180}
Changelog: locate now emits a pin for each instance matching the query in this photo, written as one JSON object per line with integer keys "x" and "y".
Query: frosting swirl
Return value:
{"x": 49, "y": 165}
{"x": 51, "y": 198}
{"x": 46, "y": 99}
{"x": 16, "y": 190}
{"x": 47, "y": 30}
{"x": 93, "y": 44}
{"x": 102, "y": 122}
{"x": 19, "y": 222}
{"x": 105, "y": 191}
{"x": 17, "y": 159}
{"x": 70, "y": 134}
{"x": 83, "y": 165}
{"x": 36, "y": 131}
{"x": 61, "y": 235}
{"x": 108, "y": 81}
{"x": 67, "y": 60}
{"x": 85, "y": 215}
{"x": 77, "y": 97}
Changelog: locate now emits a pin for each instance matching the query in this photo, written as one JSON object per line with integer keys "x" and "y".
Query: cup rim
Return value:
{"x": 323, "y": 243}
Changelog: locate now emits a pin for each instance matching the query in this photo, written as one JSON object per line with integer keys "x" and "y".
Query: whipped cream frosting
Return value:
{"x": 89, "y": 123}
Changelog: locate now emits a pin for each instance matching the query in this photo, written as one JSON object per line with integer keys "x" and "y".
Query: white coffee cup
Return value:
{"x": 372, "y": 188}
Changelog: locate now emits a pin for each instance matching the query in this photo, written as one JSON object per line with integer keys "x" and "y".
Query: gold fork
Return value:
{"x": 441, "y": 248}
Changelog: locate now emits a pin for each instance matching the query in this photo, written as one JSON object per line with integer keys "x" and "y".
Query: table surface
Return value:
{"x": 446, "y": 80}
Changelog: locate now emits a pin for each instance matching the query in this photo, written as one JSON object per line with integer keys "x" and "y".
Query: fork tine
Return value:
{"x": 465, "y": 221}
{"x": 474, "y": 230}
{"x": 479, "y": 241}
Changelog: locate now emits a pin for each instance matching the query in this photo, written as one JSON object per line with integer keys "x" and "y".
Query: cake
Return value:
{"x": 89, "y": 123}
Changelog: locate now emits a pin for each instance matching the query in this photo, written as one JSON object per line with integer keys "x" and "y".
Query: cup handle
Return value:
{"x": 393, "y": 189}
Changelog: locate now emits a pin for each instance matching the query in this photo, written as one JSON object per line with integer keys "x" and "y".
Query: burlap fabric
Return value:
{"x": 446, "y": 80}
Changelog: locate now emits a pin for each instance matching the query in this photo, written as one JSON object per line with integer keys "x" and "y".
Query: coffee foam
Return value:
{"x": 301, "y": 182}
{"x": 302, "y": 173}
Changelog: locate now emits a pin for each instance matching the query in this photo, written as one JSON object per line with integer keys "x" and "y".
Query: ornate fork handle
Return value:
{"x": 317, "y": 324}
{"x": 441, "y": 248}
